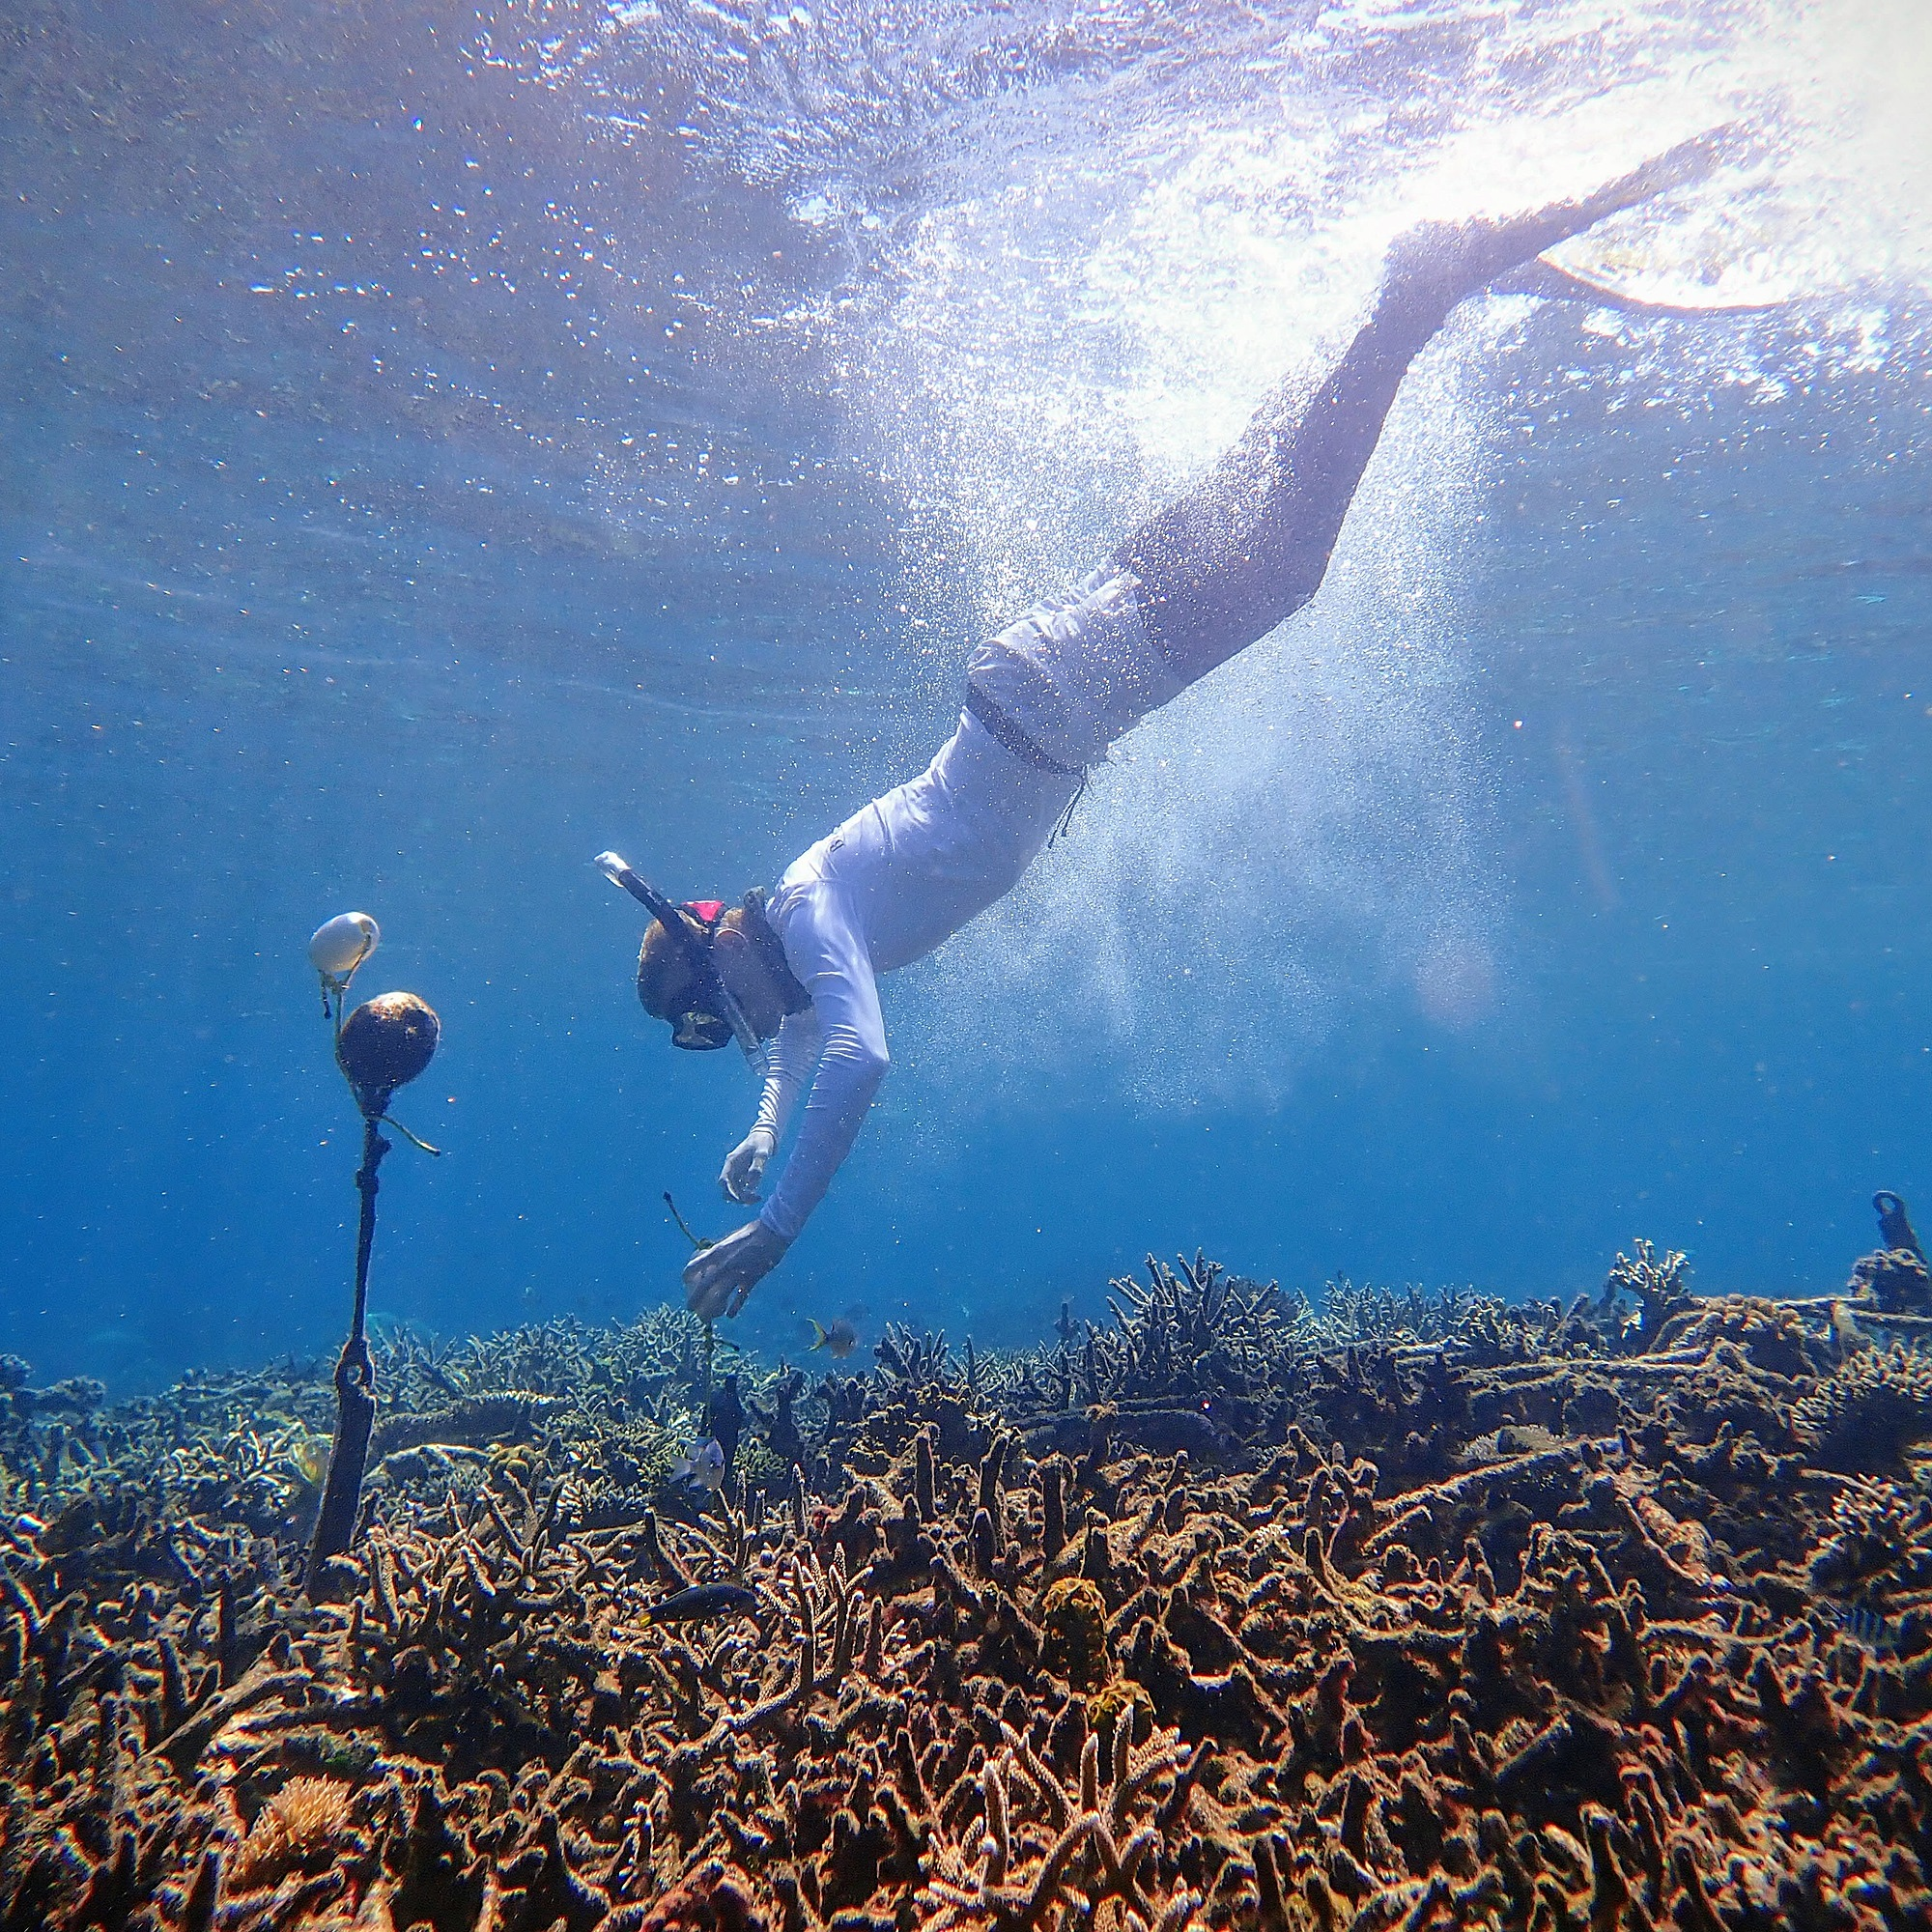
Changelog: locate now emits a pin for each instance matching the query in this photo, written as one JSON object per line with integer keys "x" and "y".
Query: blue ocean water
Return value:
{"x": 438, "y": 446}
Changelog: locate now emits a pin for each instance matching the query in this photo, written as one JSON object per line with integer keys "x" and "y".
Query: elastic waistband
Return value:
{"x": 1008, "y": 735}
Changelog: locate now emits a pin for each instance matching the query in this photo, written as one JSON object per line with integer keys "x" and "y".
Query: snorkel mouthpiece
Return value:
{"x": 713, "y": 1019}
{"x": 699, "y": 1032}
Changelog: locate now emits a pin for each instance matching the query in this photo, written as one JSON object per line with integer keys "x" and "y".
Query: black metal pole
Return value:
{"x": 355, "y": 1386}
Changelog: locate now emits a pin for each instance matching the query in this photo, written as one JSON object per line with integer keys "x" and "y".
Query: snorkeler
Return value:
{"x": 1195, "y": 584}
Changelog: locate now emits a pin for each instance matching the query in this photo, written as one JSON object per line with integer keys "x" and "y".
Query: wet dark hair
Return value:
{"x": 672, "y": 989}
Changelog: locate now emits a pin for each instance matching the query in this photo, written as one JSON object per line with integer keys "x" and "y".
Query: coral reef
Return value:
{"x": 1243, "y": 1610}
{"x": 1659, "y": 1289}
{"x": 1894, "y": 1280}
{"x": 1868, "y": 1413}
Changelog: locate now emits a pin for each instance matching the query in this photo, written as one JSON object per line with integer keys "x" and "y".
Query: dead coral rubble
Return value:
{"x": 1436, "y": 1613}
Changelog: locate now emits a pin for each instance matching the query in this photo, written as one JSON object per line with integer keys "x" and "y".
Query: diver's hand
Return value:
{"x": 716, "y": 1280}
{"x": 744, "y": 1168}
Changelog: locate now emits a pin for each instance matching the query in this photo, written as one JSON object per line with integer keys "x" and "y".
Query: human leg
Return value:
{"x": 1249, "y": 544}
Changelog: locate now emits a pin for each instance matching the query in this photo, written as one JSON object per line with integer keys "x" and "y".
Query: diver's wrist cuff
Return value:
{"x": 772, "y": 1226}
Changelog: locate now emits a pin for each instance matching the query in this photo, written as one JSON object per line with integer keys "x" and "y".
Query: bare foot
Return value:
{"x": 1449, "y": 260}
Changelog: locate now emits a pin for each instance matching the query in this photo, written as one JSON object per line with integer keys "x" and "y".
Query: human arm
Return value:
{"x": 794, "y": 1055}
{"x": 829, "y": 954}
{"x": 717, "y": 1279}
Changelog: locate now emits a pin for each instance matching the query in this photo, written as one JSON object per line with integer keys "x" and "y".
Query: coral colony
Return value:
{"x": 1236, "y": 1610}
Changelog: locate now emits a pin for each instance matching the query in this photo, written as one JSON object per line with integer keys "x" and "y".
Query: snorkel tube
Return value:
{"x": 715, "y": 1015}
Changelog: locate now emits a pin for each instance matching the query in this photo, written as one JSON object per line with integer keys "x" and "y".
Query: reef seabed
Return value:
{"x": 1237, "y": 1611}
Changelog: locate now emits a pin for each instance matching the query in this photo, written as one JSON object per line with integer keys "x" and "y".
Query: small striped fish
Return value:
{"x": 1864, "y": 1625}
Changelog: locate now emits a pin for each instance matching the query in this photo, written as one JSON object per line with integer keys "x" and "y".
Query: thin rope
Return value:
{"x": 1066, "y": 816}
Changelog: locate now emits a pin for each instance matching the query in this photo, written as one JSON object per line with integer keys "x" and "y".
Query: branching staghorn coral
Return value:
{"x": 1877, "y": 1544}
{"x": 1042, "y": 1845}
{"x": 1657, "y": 1284}
{"x": 1451, "y": 1617}
{"x": 1869, "y": 1411}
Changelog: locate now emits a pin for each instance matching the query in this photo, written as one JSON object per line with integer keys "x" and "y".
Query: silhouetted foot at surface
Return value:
{"x": 1456, "y": 258}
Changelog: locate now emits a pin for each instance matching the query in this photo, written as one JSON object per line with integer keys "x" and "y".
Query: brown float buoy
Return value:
{"x": 384, "y": 1044}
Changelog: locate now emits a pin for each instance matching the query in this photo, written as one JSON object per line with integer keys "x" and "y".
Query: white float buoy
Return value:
{"x": 341, "y": 944}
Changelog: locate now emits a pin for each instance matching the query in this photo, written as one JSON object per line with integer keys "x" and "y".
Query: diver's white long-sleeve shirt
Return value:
{"x": 886, "y": 888}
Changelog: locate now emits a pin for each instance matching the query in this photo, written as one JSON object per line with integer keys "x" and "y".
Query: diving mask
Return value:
{"x": 711, "y": 1018}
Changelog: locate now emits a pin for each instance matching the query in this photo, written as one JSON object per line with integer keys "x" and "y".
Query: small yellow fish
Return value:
{"x": 838, "y": 1341}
